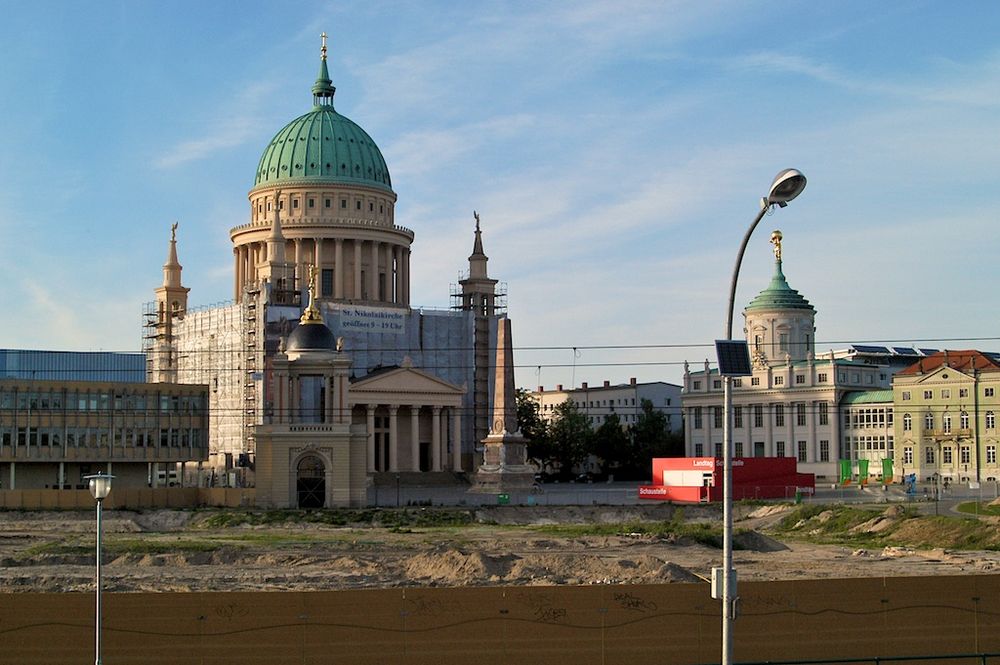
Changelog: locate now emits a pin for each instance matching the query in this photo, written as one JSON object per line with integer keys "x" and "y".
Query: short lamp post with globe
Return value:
{"x": 100, "y": 487}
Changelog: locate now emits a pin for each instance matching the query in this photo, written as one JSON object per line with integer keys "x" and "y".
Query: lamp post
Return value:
{"x": 786, "y": 186}
{"x": 100, "y": 487}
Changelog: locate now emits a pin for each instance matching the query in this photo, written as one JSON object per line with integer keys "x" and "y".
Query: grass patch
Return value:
{"x": 977, "y": 508}
{"x": 699, "y": 532}
{"x": 378, "y": 517}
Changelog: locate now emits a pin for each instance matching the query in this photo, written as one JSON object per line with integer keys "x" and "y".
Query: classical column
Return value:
{"x": 237, "y": 274}
{"x": 393, "y": 438}
{"x": 370, "y": 420}
{"x": 317, "y": 261}
{"x": 357, "y": 269}
{"x": 300, "y": 283}
{"x": 415, "y": 437}
{"x": 373, "y": 293}
{"x": 11, "y": 484}
{"x": 338, "y": 267}
{"x": 62, "y": 474}
{"x": 293, "y": 398}
{"x": 456, "y": 438}
{"x": 435, "y": 438}
{"x": 397, "y": 277}
{"x": 328, "y": 400}
{"x": 406, "y": 275}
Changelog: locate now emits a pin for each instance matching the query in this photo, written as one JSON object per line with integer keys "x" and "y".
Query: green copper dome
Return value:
{"x": 778, "y": 295}
{"x": 322, "y": 146}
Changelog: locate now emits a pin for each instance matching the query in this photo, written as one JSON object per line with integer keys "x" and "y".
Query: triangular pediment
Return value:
{"x": 944, "y": 373}
{"x": 405, "y": 380}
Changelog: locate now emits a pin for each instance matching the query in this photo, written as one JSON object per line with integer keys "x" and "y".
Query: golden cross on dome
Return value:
{"x": 323, "y": 49}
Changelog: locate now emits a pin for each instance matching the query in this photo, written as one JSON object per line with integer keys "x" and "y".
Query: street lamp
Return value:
{"x": 100, "y": 487}
{"x": 786, "y": 186}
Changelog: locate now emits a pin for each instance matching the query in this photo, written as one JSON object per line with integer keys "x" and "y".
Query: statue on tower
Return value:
{"x": 776, "y": 241}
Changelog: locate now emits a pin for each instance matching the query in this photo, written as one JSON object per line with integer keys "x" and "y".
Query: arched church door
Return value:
{"x": 310, "y": 482}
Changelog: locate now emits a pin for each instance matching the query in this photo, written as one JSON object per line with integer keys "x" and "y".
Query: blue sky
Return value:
{"x": 615, "y": 151}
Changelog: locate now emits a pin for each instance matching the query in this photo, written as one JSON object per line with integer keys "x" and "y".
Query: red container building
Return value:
{"x": 699, "y": 479}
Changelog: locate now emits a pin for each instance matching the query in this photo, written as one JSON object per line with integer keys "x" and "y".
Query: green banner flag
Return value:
{"x": 887, "y": 474}
{"x": 845, "y": 471}
{"x": 863, "y": 471}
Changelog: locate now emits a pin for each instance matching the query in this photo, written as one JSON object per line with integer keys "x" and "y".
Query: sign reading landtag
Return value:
{"x": 372, "y": 320}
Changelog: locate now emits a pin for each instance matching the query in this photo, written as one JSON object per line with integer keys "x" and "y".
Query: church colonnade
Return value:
{"x": 344, "y": 267}
{"x": 412, "y": 437}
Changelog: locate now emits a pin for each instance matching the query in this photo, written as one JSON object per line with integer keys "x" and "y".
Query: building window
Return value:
{"x": 991, "y": 420}
{"x": 357, "y": 205}
{"x": 783, "y": 342}
{"x": 946, "y": 455}
{"x": 312, "y": 203}
{"x": 717, "y": 416}
{"x": 907, "y": 422}
{"x": 928, "y": 394}
{"x": 800, "y": 414}
{"x": 946, "y": 423}
{"x": 928, "y": 455}
{"x": 739, "y": 449}
{"x": 755, "y": 381}
{"x": 779, "y": 380}
{"x": 779, "y": 448}
{"x": 906, "y": 395}
{"x": 717, "y": 384}
{"x": 907, "y": 455}
{"x": 738, "y": 416}
{"x": 987, "y": 392}
{"x": 824, "y": 450}
{"x": 327, "y": 287}
{"x": 718, "y": 449}
{"x": 343, "y": 204}
{"x": 802, "y": 451}
{"x": 800, "y": 379}
{"x": 698, "y": 450}
{"x": 758, "y": 415}
{"x": 824, "y": 416}
{"x": 295, "y": 203}
{"x": 963, "y": 420}
{"x": 991, "y": 454}
{"x": 326, "y": 203}
{"x": 966, "y": 455}
{"x": 779, "y": 415}
{"x": 946, "y": 394}
{"x": 963, "y": 392}
{"x": 697, "y": 417}
{"x": 928, "y": 421}
{"x": 371, "y": 207}
{"x": 696, "y": 385}
{"x": 737, "y": 383}
{"x": 821, "y": 377}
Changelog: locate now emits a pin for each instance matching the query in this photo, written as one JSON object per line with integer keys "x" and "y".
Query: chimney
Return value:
{"x": 559, "y": 387}
{"x": 631, "y": 381}
{"x": 607, "y": 384}
{"x": 541, "y": 389}
{"x": 583, "y": 386}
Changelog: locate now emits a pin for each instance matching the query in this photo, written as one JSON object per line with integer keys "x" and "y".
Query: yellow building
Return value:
{"x": 945, "y": 409}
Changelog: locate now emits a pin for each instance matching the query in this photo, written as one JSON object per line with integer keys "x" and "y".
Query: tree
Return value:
{"x": 570, "y": 437}
{"x": 652, "y": 438}
{"x": 612, "y": 444}
{"x": 533, "y": 427}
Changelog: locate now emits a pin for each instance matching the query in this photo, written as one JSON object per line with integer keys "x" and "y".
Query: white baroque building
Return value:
{"x": 598, "y": 403}
{"x": 791, "y": 405}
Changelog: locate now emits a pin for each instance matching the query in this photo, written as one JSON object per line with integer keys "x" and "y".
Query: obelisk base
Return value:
{"x": 504, "y": 467}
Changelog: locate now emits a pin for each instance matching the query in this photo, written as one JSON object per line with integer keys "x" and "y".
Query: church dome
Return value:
{"x": 322, "y": 146}
{"x": 779, "y": 295}
{"x": 311, "y": 337}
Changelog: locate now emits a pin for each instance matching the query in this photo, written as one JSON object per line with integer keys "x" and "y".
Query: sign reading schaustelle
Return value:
{"x": 372, "y": 319}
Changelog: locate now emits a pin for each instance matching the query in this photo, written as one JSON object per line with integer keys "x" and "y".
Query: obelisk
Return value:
{"x": 505, "y": 450}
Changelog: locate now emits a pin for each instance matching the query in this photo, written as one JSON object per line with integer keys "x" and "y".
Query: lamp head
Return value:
{"x": 786, "y": 186}
{"x": 100, "y": 485}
